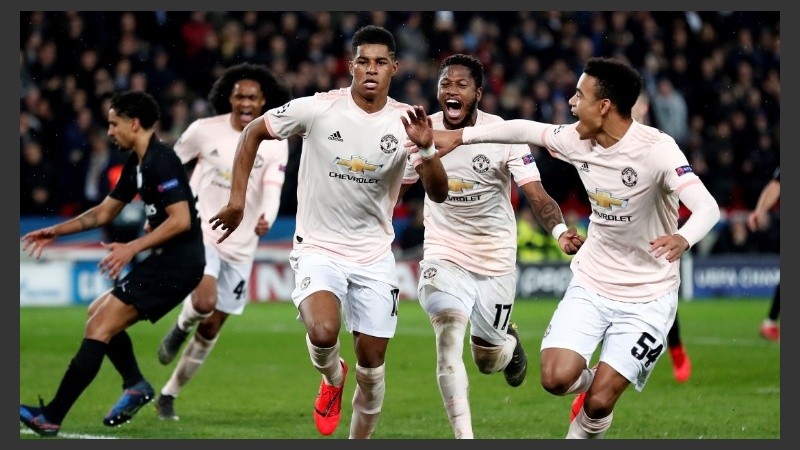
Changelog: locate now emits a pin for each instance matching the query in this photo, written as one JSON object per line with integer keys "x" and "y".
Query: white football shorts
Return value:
{"x": 487, "y": 300}
{"x": 634, "y": 335}
{"x": 233, "y": 281}
{"x": 369, "y": 295}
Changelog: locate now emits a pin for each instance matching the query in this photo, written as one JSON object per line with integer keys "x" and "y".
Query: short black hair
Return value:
{"x": 275, "y": 92}
{"x": 470, "y": 62}
{"x": 616, "y": 81}
{"x": 137, "y": 105}
{"x": 373, "y": 34}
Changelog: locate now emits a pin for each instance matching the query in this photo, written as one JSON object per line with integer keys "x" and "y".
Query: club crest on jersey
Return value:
{"x": 629, "y": 177}
{"x": 480, "y": 164}
{"x": 389, "y": 144}
{"x": 282, "y": 109}
{"x": 429, "y": 273}
{"x": 304, "y": 284}
{"x": 682, "y": 170}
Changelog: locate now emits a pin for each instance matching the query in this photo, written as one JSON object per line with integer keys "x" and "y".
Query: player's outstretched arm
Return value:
{"x": 230, "y": 216}
{"x": 35, "y": 241}
{"x": 447, "y": 140}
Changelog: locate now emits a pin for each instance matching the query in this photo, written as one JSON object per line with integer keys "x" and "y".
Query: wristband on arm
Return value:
{"x": 558, "y": 230}
{"x": 427, "y": 153}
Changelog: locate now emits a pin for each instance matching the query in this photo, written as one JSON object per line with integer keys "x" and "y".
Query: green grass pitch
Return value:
{"x": 259, "y": 383}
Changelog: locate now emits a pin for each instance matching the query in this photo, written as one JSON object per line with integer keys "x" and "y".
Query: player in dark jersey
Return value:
{"x": 757, "y": 220}
{"x": 153, "y": 286}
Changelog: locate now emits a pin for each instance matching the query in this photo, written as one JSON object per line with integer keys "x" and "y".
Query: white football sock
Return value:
{"x": 584, "y": 427}
{"x": 189, "y": 317}
{"x": 367, "y": 401}
{"x": 327, "y": 362}
{"x": 194, "y": 355}
{"x": 450, "y": 327}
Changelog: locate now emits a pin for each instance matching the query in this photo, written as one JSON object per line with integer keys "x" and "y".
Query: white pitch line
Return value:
{"x": 69, "y": 435}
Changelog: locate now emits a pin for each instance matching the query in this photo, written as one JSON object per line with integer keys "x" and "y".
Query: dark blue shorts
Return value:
{"x": 159, "y": 282}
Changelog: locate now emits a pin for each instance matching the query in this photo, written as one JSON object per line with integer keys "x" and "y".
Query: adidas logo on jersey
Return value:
{"x": 336, "y": 137}
{"x": 584, "y": 167}
{"x": 214, "y": 153}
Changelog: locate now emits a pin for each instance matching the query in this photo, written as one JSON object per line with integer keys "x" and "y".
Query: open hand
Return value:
{"x": 419, "y": 129}
{"x": 35, "y": 241}
{"x": 672, "y": 246}
{"x": 228, "y": 218}
{"x": 119, "y": 256}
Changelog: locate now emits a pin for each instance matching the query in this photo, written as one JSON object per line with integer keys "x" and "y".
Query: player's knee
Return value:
{"x": 204, "y": 304}
{"x": 556, "y": 379}
{"x": 323, "y": 333}
{"x": 488, "y": 359}
{"x": 599, "y": 404}
{"x": 449, "y": 326}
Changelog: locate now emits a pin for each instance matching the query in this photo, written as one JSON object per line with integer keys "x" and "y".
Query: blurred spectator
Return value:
{"x": 72, "y": 165}
{"x": 670, "y": 112}
{"x": 734, "y": 237}
{"x": 38, "y": 182}
{"x": 179, "y": 122}
{"x": 413, "y": 235}
{"x": 411, "y": 40}
{"x": 726, "y": 66}
{"x": 194, "y": 32}
{"x": 96, "y": 184}
{"x": 161, "y": 74}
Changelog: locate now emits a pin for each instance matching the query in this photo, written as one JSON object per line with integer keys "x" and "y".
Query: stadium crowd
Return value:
{"x": 713, "y": 79}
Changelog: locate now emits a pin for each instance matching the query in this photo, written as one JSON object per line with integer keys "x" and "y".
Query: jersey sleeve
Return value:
{"x": 671, "y": 166}
{"x": 125, "y": 189}
{"x": 187, "y": 148}
{"x": 168, "y": 183}
{"x": 522, "y": 165}
{"x": 293, "y": 117}
{"x": 559, "y": 139}
{"x": 410, "y": 175}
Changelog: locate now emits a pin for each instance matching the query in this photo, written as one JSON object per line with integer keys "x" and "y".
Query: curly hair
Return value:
{"x": 275, "y": 91}
{"x": 470, "y": 62}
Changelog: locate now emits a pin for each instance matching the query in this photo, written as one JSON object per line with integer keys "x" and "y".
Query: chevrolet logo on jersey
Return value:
{"x": 226, "y": 175}
{"x": 460, "y": 185}
{"x": 357, "y": 164}
{"x": 604, "y": 199}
